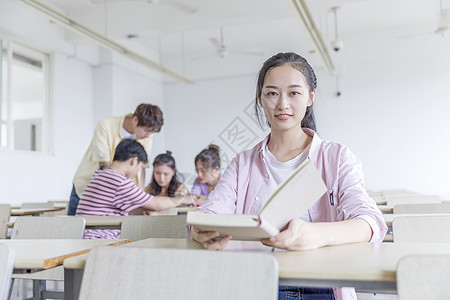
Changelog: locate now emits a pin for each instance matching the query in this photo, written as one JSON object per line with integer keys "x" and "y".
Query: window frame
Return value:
{"x": 12, "y": 46}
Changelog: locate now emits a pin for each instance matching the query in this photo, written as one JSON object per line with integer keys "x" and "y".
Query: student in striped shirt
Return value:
{"x": 111, "y": 191}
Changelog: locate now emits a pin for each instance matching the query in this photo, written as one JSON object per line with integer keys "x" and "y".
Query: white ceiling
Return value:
{"x": 249, "y": 25}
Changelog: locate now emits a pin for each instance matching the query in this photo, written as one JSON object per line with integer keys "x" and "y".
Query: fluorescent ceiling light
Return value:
{"x": 305, "y": 16}
{"x": 102, "y": 40}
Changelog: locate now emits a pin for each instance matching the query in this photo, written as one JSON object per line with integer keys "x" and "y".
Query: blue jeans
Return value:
{"x": 299, "y": 293}
{"x": 73, "y": 202}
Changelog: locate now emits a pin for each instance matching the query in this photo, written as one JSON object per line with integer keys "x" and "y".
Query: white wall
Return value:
{"x": 203, "y": 113}
{"x": 85, "y": 86}
{"x": 35, "y": 177}
{"x": 393, "y": 112}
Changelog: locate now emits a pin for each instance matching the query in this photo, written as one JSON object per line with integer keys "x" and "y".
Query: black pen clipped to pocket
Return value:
{"x": 331, "y": 197}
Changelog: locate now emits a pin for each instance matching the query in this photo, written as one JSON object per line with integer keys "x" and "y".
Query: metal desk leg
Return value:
{"x": 72, "y": 283}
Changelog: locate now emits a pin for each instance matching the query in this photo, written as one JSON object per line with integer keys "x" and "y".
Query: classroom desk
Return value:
{"x": 17, "y": 212}
{"x": 386, "y": 209}
{"x": 95, "y": 222}
{"x": 380, "y": 201}
{"x": 364, "y": 266}
{"x": 389, "y": 218}
{"x": 49, "y": 253}
{"x": 186, "y": 209}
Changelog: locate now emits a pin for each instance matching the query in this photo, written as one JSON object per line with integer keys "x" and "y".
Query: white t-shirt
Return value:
{"x": 126, "y": 134}
{"x": 279, "y": 171}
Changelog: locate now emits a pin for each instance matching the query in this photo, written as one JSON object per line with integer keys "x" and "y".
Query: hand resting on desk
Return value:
{"x": 301, "y": 235}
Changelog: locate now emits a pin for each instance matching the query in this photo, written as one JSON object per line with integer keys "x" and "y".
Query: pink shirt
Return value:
{"x": 243, "y": 186}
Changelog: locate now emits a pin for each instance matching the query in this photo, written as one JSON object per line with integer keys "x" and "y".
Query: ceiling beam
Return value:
{"x": 71, "y": 24}
{"x": 305, "y": 16}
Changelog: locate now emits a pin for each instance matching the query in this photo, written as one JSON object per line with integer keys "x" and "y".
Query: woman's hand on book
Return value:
{"x": 209, "y": 239}
{"x": 299, "y": 235}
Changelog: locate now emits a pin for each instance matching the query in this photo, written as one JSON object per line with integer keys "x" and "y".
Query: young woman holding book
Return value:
{"x": 285, "y": 91}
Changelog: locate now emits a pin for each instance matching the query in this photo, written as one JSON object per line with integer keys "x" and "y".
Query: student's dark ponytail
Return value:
{"x": 209, "y": 157}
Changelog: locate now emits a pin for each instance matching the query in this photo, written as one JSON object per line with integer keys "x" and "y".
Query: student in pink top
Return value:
{"x": 285, "y": 91}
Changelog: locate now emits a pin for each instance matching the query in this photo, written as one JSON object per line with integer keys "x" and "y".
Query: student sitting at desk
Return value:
{"x": 111, "y": 191}
{"x": 165, "y": 178}
{"x": 207, "y": 166}
{"x": 286, "y": 89}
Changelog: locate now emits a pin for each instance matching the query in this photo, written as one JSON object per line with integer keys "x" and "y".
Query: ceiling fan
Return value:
{"x": 443, "y": 27}
{"x": 222, "y": 50}
{"x": 174, "y": 4}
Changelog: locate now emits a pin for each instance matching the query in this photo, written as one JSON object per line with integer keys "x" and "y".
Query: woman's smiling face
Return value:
{"x": 285, "y": 97}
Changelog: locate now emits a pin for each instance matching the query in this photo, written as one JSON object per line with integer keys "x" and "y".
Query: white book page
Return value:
{"x": 294, "y": 196}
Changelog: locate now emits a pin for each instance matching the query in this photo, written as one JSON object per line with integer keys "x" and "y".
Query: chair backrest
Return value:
{"x": 49, "y": 228}
{"x": 392, "y": 201}
{"x": 146, "y": 273}
{"x": 143, "y": 227}
{"x": 426, "y": 229}
{"x": 423, "y": 277}
{"x": 5, "y": 213}
{"x": 6, "y": 269}
{"x": 422, "y": 208}
{"x": 395, "y": 192}
{"x": 37, "y": 205}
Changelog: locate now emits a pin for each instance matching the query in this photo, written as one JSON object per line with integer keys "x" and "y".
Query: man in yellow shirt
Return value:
{"x": 141, "y": 125}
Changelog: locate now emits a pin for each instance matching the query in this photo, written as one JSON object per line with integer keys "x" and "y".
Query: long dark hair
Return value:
{"x": 164, "y": 159}
{"x": 298, "y": 63}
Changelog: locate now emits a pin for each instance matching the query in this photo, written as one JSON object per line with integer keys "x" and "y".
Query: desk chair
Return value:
{"x": 142, "y": 227}
{"x": 393, "y": 201}
{"x": 426, "y": 229}
{"x": 6, "y": 269}
{"x": 189, "y": 274}
{"x": 46, "y": 228}
{"x": 423, "y": 277}
{"x": 422, "y": 208}
{"x": 5, "y": 213}
{"x": 399, "y": 192}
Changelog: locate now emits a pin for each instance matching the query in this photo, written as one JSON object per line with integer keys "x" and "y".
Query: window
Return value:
{"x": 24, "y": 100}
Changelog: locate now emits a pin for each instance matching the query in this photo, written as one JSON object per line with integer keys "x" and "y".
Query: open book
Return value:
{"x": 290, "y": 200}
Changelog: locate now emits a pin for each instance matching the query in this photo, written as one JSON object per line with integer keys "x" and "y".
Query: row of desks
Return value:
{"x": 114, "y": 222}
{"x": 17, "y": 212}
{"x": 362, "y": 265}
